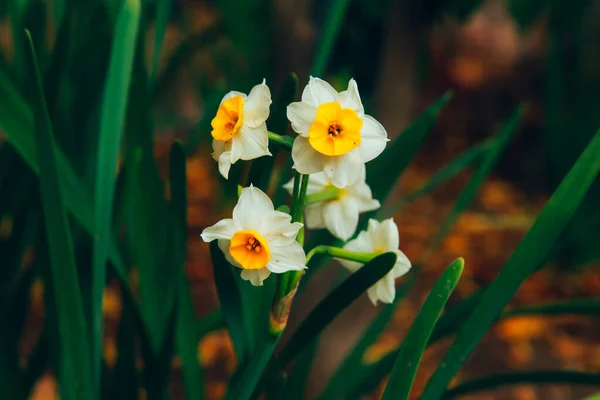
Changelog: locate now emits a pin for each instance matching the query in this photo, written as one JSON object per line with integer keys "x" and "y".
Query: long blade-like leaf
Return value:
{"x": 527, "y": 257}
{"x": 73, "y": 336}
{"x": 413, "y": 346}
{"x": 109, "y": 141}
{"x": 331, "y": 29}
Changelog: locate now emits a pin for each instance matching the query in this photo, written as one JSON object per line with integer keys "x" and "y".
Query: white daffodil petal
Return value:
{"x": 350, "y": 98}
{"x": 256, "y": 106}
{"x": 313, "y": 216}
{"x": 318, "y": 92}
{"x": 374, "y": 139}
{"x": 224, "y": 246}
{"x": 372, "y": 294}
{"x": 250, "y": 143}
{"x": 343, "y": 170}
{"x": 219, "y": 148}
{"x": 386, "y": 236}
{"x": 361, "y": 193}
{"x": 362, "y": 244}
{"x": 225, "y": 164}
{"x": 386, "y": 289}
{"x": 223, "y": 229}
{"x": 251, "y": 208}
{"x": 301, "y": 115}
{"x": 255, "y": 276}
{"x": 231, "y": 94}
{"x": 288, "y": 258}
{"x": 317, "y": 183}
{"x": 306, "y": 159}
{"x": 402, "y": 265}
{"x": 279, "y": 229}
{"x": 341, "y": 218}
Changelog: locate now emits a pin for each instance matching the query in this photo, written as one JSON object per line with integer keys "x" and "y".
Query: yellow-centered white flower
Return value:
{"x": 258, "y": 239}
{"x": 340, "y": 215}
{"x": 380, "y": 237}
{"x": 239, "y": 129}
{"x": 335, "y": 135}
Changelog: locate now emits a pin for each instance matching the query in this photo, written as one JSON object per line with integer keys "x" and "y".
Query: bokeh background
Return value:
{"x": 404, "y": 54}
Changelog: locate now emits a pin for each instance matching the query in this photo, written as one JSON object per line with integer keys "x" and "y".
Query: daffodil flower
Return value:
{"x": 335, "y": 137}
{"x": 338, "y": 214}
{"x": 258, "y": 239}
{"x": 380, "y": 237}
{"x": 239, "y": 129}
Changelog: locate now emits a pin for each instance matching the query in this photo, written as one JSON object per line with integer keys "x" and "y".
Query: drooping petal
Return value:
{"x": 306, "y": 159}
{"x": 301, "y": 115}
{"x": 255, "y": 276}
{"x": 402, "y": 265}
{"x": 224, "y": 229}
{"x": 222, "y": 154}
{"x": 251, "y": 208}
{"x": 225, "y": 164}
{"x": 231, "y": 94}
{"x": 384, "y": 290}
{"x": 350, "y": 98}
{"x": 279, "y": 230}
{"x": 256, "y": 106}
{"x": 250, "y": 143}
{"x": 386, "y": 236}
{"x": 287, "y": 258}
{"x": 343, "y": 170}
{"x": 374, "y": 139}
{"x": 313, "y": 216}
{"x": 341, "y": 217}
{"x": 317, "y": 92}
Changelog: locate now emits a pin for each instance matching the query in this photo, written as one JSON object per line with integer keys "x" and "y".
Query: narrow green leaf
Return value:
{"x": 525, "y": 378}
{"x": 468, "y": 193}
{"x": 413, "y": 346}
{"x": 298, "y": 381}
{"x": 351, "y": 366}
{"x": 397, "y": 155}
{"x": 230, "y": 299}
{"x": 186, "y": 333}
{"x": 335, "y": 19}
{"x": 109, "y": 141}
{"x": 209, "y": 323}
{"x": 163, "y": 11}
{"x": 250, "y": 374}
{"x": 73, "y": 336}
{"x": 449, "y": 171}
{"x": 527, "y": 257}
{"x": 332, "y": 305}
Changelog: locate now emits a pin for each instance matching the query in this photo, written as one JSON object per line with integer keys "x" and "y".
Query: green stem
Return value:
{"x": 338, "y": 252}
{"x": 329, "y": 193}
{"x": 285, "y": 141}
{"x": 297, "y": 210}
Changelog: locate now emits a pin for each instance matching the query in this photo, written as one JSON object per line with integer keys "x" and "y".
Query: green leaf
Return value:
{"x": 332, "y": 305}
{"x": 522, "y": 378}
{"x": 350, "y": 368}
{"x": 109, "y": 141}
{"x": 413, "y": 346}
{"x": 449, "y": 171}
{"x": 396, "y": 157}
{"x": 298, "y": 381}
{"x": 163, "y": 10}
{"x": 331, "y": 30}
{"x": 467, "y": 195}
{"x": 73, "y": 336}
{"x": 527, "y": 257}
{"x": 230, "y": 299}
{"x": 186, "y": 332}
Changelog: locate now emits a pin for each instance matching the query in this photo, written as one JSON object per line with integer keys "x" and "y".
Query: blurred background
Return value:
{"x": 404, "y": 54}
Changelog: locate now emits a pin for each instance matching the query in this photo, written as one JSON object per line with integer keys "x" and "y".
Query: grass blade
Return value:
{"x": 332, "y": 305}
{"x": 468, "y": 194}
{"x": 527, "y": 257}
{"x": 351, "y": 366}
{"x": 331, "y": 29}
{"x": 73, "y": 336}
{"x": 443, "y": 175}
{"x": 186, "y": 335}
{"x": 413, "y": 346}
{"x": 522, "y": 378}
{"x": 297, "y": 382}
{"x": 163, "y": 11}
{"x": 396, "y": 157}
{"x": 109, "y": 141}
{"x": 230, "y": 299}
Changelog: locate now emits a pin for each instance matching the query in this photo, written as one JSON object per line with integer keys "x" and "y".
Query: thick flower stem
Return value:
{"x": 338, "y": 252}
{"x": 329, "y": 193}
{"x": 285, "y": 141}
{"x": 297, "y": 209}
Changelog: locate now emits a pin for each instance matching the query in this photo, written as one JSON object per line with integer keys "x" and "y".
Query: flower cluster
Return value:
{"x": 335, "y": 139}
